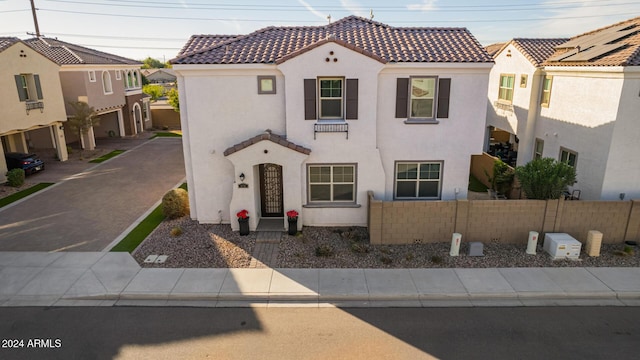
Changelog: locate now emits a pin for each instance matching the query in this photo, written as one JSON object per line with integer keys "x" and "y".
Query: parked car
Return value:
{"x": 30, "y": 163}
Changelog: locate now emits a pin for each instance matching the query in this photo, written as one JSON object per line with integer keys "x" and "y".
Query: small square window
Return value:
{"x": 266, "y": 84}
{"x": 523, "y": 80}
{"x": 92, "y": 76}
{"x": 118, "y": 75}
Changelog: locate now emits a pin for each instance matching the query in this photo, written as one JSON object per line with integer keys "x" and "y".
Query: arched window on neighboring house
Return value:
{"x": 106, "y": 83}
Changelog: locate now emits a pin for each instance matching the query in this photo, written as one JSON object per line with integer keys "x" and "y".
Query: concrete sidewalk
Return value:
{"x": 115, "y": 279}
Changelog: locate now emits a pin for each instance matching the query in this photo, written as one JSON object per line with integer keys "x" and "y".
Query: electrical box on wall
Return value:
{"x": 561, "y": 246}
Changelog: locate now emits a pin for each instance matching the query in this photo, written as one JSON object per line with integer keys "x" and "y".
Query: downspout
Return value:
{"x": 527, "y": 140}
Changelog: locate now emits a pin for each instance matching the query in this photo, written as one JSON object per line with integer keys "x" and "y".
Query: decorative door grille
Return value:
{"x": 271, "y": 190}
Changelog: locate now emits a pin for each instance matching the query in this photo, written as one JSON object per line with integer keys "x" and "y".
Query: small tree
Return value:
{"x": 83, "y": 119}
{"x": 155, "y": 91}
{"x": 151, "y": 63}
{"x": 545, "y": 178}
{"x": 174, "y": 99}
{"x": 502, "y": 178}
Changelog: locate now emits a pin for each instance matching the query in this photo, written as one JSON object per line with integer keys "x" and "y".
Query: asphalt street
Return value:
{"x": 88, "y": 210}
{"x": 325, "y": 333}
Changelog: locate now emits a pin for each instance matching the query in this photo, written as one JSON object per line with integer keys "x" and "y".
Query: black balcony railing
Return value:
{"x": 330, "y": 128}
{"x": 32, "y": 105}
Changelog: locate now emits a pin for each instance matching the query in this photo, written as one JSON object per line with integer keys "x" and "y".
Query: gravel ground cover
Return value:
{"x": 202, "y": 246}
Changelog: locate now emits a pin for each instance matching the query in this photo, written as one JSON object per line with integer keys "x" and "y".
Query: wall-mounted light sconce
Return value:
{"x": 242, "y": 177}
{"x": 61, "y": 127}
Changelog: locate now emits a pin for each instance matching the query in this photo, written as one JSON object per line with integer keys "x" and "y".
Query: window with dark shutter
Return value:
{"x": 36, "y": 79}
{"x": 21, "y": 84}
{"x": 310, "y": 99}
{"x": 352, "y": 99}
{"x": 444, "y": 88}
{"x": 402, "y": 97}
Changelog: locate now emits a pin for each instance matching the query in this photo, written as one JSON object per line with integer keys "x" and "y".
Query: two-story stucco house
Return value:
{"x": 312, "y": 118}
{"x": 580, "y": 106}
{"x": 33, "y": 112}
{"x": 109, "y": 83}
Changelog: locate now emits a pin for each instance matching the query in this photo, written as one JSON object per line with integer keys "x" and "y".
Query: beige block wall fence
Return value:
{"x": 409, "y": 222}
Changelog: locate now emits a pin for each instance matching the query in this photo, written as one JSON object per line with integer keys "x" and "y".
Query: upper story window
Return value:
{"x": 422, "y": 99}
{"x": 568, "y": 157}
{"x": 28, "y": 86}
{"x": 118, "y": 75}
{"x": 423, "y": 91}
{"x": 266, "y": 84}
{"x": 545, "y": 98}
{"x": 92, "y": 76}
{"x": 106, "y": 83}
{"x": 333, "y": 98}
{"x": 506, "y": 87}
{"x": 523, "y": 80}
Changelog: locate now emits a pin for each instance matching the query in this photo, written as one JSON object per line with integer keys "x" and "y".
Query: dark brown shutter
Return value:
{"x": 352, "y": 99}
{"x": 402, "y": 97}
{"x": 444, "y": 88}
{"x": 22, "y": 93}
{"x": 310, "y": 99}
{"x": 36, "y": 79}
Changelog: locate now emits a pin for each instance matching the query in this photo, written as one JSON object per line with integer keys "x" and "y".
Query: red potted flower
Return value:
{"x": 292, "y": 216}
{"x": 243, "y": 221}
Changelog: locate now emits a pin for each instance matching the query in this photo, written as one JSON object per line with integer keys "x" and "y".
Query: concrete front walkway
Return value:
{"x": 112, "y": 279}
{"x": 87, "y": 210}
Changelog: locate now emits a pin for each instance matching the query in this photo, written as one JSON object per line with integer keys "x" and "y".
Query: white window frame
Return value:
{"x": 24, "y": 79}
{"x": 92, "y": 75}
{"x": 545, "y": 95}
{"x": 417, "y": 180}
{"x": 433, "y": 97}
{"x": 107, "y": 86}
{"x": 537, "y": 154}
{"x": 566, "y": 158}
{"x": 321, "y": 98}
{"x": 118, "y": 75}
{"x": 331, "y": 183}
{"x": 507, "y": 90}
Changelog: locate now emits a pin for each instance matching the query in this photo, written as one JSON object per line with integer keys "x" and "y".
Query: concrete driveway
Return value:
{"x": 88, "y": 210}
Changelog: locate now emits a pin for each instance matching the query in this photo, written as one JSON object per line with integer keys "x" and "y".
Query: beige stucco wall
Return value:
{"x": 14, "y": 115}
{"x": 76, "y": 86}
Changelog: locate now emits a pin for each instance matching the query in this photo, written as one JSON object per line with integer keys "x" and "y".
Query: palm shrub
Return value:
{"x": 545, "y": 178}
{"x": 175, "y": 203}
{"x": 15, "y": 177}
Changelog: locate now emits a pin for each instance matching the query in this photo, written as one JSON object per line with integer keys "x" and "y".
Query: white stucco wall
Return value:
{"x": 581, "y": 117}
{"x": 622, "y": 173}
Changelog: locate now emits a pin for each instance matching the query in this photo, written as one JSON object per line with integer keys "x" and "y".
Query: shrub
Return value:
{"x": 386, "y": 260}
{"x": 175, "y": 203}
{"x": 176, "y": 231}
{"x": 436, "y": 259}
{"x": 359, "y": 248}
{"x": 324, "y": 251}
{"x": 15, "y": 177}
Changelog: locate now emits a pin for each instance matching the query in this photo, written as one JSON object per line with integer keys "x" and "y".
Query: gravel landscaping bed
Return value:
{"x": 216, "y": 246}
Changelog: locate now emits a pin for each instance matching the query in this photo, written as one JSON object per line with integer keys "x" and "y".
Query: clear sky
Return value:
{"x": 140, "y": 28}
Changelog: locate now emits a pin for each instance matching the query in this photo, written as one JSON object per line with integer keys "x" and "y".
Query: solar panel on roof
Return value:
{"x": 594, "y": 52}
{"x": 564, "y": 55}
{"x": 583, "y": 41}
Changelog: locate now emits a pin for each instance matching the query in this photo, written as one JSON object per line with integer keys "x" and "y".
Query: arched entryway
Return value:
{"x": 271, "y": 198}
{"x": 137, "y": 118}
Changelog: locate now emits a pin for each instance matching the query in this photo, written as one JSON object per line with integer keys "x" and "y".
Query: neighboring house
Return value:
{"x": 160, "y": 76}
{"x": 109, "y": 83}
{"x": 33, "y": 112}
{"x": 514, "y": 89}
{"x": 583, "y": 109}
{"x": 311, "y": 118}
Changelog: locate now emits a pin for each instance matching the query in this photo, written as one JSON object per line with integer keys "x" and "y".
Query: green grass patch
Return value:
{"x": 22, "y": 194}
{"x": 108, "y": 156}
{"x": 140, "y": 232}
{"x": 476, "y": 185}
{"x": 167, "y": 134}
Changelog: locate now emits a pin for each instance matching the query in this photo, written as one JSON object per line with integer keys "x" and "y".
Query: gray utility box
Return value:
{"x": 561, "y": 246}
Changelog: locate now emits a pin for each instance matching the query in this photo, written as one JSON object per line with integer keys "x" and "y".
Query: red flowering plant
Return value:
{"x": 243, "y": 214}
{"x": 292, "y": 215}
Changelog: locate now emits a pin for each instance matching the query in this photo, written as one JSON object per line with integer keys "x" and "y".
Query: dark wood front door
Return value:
{"x": 271, "y": 190}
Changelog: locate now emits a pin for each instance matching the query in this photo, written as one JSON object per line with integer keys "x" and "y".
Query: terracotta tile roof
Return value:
{"x": 537, "y": 50}
{"x": 493, "y": 49}
{"x": 5, "y": 42}
{"x": 199, "y": 42}
{"x": 267, "y": 135}
{"x": 64, "y": 53}
{"x": 382, "y": 42}
{"x": 628, "y": 54}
